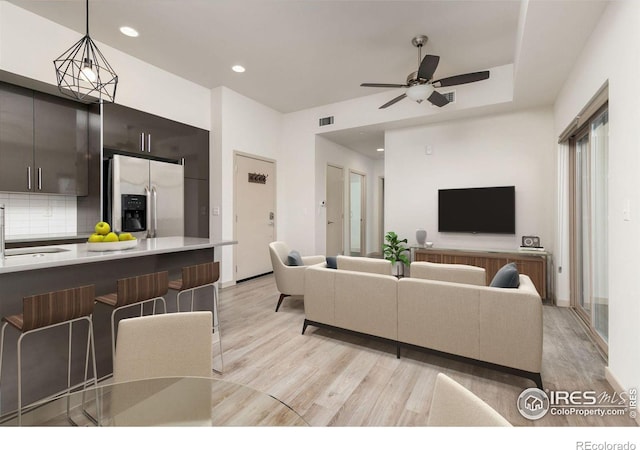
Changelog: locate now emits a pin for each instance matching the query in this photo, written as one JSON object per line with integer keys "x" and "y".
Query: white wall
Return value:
{"x": 328, "y": 152}
{"x": 613, "y": 54}
{"x": 30, "y": 43}
{"x": 502, "y": 150}
{"x": 248, "y": 127}
{"x": 297, "y": 210}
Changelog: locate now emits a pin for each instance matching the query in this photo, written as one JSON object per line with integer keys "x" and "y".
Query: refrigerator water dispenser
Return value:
{"x": 134, "y": 212}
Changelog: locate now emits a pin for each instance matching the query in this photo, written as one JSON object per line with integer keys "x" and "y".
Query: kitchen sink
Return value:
{"x": 35, "y": 251}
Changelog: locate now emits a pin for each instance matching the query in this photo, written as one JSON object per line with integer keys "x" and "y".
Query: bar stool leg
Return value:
{"x": 4, "y": 327}
{"x": 20, "y": 379}
{"x": 215, "y": 314}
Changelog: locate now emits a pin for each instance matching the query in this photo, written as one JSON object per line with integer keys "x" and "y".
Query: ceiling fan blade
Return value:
{"x": 383, "y": 85}
{"x": 436, "y": 98}
{"x": 463, "y": 79}
{"x": 395, "y": 100}
{"x": 428, "y": 66}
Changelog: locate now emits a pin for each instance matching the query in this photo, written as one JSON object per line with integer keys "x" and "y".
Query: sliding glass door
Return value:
{"x": 590, "y": 293}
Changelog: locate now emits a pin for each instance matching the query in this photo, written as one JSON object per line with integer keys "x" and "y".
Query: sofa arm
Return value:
{"x": 311, "y": 260}
{"x": 511, "y": 328}
{"x": 319, "y": 294}
{"x": 452, "y": 273}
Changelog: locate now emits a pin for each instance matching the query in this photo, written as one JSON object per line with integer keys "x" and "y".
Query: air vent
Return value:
{"x": 451, "y": 96}
{"x": 326, "y": 121}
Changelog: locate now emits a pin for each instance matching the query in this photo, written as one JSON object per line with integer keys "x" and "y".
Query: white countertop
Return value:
{"x": 79, "y": 254}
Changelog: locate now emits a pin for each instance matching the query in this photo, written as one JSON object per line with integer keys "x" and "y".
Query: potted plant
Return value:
{"x": 394, "y": 251}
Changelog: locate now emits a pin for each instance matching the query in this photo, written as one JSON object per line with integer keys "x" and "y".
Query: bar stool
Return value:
{"x": 196, "y": 277}
{"x": 135, "y": 291}
{"x": 48, "y": 310}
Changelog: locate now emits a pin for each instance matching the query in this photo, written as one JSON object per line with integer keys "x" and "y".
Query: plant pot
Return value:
{"x": 398, "y": 269}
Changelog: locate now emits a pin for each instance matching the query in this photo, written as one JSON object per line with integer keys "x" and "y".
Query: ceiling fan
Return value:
{"x": 420, "y": 85}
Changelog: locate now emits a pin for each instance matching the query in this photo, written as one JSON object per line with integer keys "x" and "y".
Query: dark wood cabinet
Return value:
{"x": 136, "y": 132}
{"x": 532, "y": 264}
{"x": 196, "y": 208}
{"x": 16, "y": 139}
{"x": 60, "y": 145}
{"x": 43, "y": 143}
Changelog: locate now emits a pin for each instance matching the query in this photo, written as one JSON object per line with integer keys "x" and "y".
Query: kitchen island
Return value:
{"x": 35, "y": 270}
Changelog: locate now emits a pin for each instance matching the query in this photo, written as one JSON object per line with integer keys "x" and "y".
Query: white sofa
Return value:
{"x": 499, "y": 327}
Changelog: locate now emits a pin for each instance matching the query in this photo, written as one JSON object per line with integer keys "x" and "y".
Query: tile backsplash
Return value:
{"x": 36, "y": 214}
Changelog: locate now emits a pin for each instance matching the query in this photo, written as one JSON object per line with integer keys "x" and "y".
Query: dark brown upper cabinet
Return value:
{"x": 139, "y": 133}
{"x": 43, "y": 143}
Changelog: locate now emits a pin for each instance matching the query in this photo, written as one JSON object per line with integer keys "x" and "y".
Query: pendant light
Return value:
{"x": 83, "y": 73}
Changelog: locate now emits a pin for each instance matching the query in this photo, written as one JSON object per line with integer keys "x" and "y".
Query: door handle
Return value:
{"x": 329, "y": 222}
{"x": 29, "y": 178}
{"x": 142, "y": 142}
{"x": 39, "y": 178}
{"x": 154, "y": 194}
{"x": 147, "y": 193}
{"x": 149, "y": 142}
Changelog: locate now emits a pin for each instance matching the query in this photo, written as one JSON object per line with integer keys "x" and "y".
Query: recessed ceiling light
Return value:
{"x": 238, "y": 68}
{"x": 128, "y": 31}
{"x": 380, "y": 149}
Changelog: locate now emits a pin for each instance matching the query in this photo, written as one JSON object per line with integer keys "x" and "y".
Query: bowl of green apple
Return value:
{"x": 106, "y": 240}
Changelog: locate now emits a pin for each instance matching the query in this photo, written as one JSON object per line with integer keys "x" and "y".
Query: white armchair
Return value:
{"x": 289, "y": 279}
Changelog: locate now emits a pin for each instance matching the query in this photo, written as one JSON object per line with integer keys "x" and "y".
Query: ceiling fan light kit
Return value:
{"x": 420, "y": 92}
{"x": 420, "y": 84}
{"x": 82, "y": 72}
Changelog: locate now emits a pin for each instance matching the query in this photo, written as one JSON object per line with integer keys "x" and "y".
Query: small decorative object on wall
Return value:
{"x": 421, "y": 236}
{"x": 259, "y": 178}
{"x": 530, "y": 241}
{"x": 394, "y": 251}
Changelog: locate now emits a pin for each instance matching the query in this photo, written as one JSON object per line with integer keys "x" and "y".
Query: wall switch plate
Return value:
{"x": 215, "y": 210}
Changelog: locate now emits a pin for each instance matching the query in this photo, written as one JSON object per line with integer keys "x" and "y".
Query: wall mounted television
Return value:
{"x": 477, "y": 210}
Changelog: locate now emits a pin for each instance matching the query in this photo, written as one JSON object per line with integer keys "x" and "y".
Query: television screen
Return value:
{"x": 477, "y": 210}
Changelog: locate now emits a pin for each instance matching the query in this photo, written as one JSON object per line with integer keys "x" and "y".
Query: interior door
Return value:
{"x": 357, "y": 214}
{"x": 255, "y": 206}
{"x": 335, "y": 210}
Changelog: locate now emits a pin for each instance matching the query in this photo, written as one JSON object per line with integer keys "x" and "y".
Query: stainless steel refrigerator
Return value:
{"x": 145, "y": 196}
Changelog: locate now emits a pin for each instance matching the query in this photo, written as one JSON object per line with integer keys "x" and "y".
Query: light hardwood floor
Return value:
{"x": 337, "y": 379}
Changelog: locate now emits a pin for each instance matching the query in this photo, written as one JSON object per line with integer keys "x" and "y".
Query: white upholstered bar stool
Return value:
{"x": 52, "y": 309}
{"x": 195, "y": 277}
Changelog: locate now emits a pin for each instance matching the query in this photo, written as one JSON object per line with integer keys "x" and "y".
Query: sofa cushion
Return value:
{"x": 332, "y": 262}
{"x": 294, "y": 258}
{"x": 363, "y": 264}
{"x": 506, "y": 277}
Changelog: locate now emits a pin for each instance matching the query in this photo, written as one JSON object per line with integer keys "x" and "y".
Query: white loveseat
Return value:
{"x": 499, "y": 327}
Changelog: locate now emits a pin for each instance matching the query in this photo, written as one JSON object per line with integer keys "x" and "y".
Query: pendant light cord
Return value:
{"x": 87, "y": 17}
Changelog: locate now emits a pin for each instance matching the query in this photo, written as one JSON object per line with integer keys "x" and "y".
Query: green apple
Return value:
{"x": 126, "y": 237}
{"x": 111, "y": 237}
{"x": 95, "y": 237}
{"x": 103, "y": 228}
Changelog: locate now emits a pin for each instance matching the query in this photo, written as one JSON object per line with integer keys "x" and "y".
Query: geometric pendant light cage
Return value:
{"x": 82, "y": 72}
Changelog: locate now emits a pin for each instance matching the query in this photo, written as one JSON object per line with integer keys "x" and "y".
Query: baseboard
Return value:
{"x": 563, "y": 303}
{"x": 616, "y": 385}
{"x": 227, "y": 284}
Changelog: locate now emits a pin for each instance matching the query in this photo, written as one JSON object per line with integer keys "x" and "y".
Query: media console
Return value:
{"x": 533, "y": 263}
